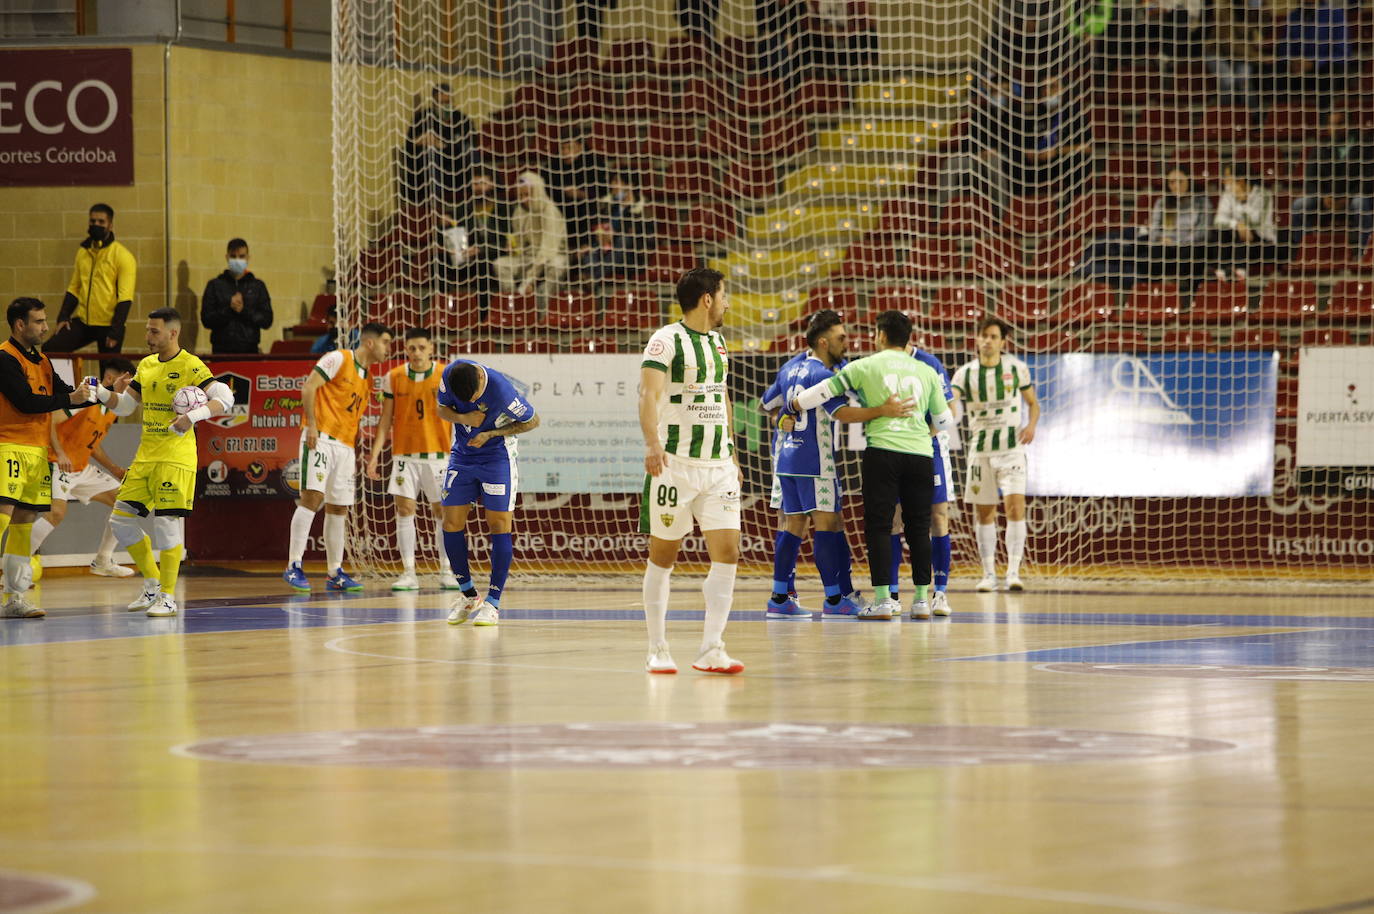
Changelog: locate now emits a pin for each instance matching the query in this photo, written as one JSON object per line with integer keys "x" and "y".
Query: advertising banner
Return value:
{"x": 1172, "y": 424}
{"x": 1336, "y": 419}
{"x": 251, "y": 451}
{"x": 66, "y": 117}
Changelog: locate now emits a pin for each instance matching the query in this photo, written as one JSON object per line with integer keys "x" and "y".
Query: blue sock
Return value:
{"x": 939, "y": 560}
{"x": 501, "y": 551}
{"x": 896, "y": 576}
{"x": 785, "y": 548}
{"x": 826, "y": 549}
{"x": 456, "y": 547}
{"x": 846, "y": 565}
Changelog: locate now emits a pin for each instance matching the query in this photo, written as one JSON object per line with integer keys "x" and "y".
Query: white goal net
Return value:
{"x": 1169, "y": 203}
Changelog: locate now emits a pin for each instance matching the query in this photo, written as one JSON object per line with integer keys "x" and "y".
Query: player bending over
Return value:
{"x": 487, "y": 412}
{"x": 420, "y": 445}
{"x": 162, "y": 479}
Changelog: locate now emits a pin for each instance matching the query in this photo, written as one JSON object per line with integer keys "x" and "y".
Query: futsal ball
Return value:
{"x": 187, "y": 399}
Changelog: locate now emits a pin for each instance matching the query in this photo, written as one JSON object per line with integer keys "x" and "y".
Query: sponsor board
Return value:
{"x": 253, "y": 450}
{"x": 1335, "y": 422}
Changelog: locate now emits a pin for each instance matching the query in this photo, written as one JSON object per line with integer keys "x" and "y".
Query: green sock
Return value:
{"x": 921, "y": 591}
{"x": 880, "y": 593}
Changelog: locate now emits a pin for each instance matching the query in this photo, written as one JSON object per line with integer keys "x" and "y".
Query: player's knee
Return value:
{"x": 166, "y": 532}
{"x": 311, "y": 500}
{"x": 336, "y": 510}
{"x": 500, "y": 521}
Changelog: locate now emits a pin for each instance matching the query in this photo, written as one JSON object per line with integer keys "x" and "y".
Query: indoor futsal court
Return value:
{"x": 1182, "y": 753}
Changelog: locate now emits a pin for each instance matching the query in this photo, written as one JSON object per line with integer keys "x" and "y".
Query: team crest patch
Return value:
{"x": 667, "y": 519}
{"x": 976, "y": 489}
{"x": 656, "y": 347}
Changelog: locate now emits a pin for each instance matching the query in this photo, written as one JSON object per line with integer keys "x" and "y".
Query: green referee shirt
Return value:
{"x": 879, "y": 376}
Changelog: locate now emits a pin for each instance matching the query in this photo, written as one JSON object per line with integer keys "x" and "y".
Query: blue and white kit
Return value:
{"x": 487, "y": 473}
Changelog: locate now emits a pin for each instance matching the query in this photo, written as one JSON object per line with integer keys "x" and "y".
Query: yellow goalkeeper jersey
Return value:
{"x": 157, "y": 382}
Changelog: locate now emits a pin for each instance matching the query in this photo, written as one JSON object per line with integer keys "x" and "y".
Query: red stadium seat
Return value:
{"x": 1085, "y": 304}
{"x": 1116, "y": 340}
{"x": 596, "y": 344}
{"x": 751, "y": 179}
{"x": 842, "y": 299}
{"x": 1024, "y": 306}
{"x": 1322, "y": 252}
{"x": 1287, "y": 301}
{"x": 629, "y": 57}
{"x": 1327, "y": 336}
{"x": 293, "y": 346}
{"x": 318, "y": 320}
{"x": 1255, "y": 338}
{"x": 710, "y": 221}
{"x": 634, "y": 309}
{"x": 392, "y": 308}
{"x": 998, "y": 258}
{"x": 1204, "y": 165}
{"x": 534, "y": 344}
{"x": 671, "y": 139}
{"x": 931, "y": 258}
{"x": 512, "y": 311}
{"x": 1352, "y": 301}
{"x": 1035, "y": 215}
{"x": 568, "y": 57}
{"x": 669, "y": 262}
{"x": 1290, "y": 123}
{"x": 820, "y": 97}
{"x": 964, "y": 216}
{"x": 690, "y": 178}
{"x": 1152, "y": 304}
{"x": 903, "y": 216}
{"x": 586, "y": 101}
{"x": 1169, "y": 126}
{"x": 1053, "y": 341}
{"x": 571, "y": 311}
{"x": 873, "y": 257}
{"x": 928, "y": 340}
{"x": 455, "y": 313}
{"x": 957, "y": 306}
{"x": 616, "y": 140}
{"x": 1193, "y": 338}
{"x": 1224, "y": 125}
{"x": 1220, "y": 303}
{"x": 904, "y": 298}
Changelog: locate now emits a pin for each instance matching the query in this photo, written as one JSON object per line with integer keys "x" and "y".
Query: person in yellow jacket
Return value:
{"x": 101, "y": 292}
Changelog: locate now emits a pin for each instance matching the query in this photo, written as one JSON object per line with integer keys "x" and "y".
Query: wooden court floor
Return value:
{"x": 1044, "y": 752}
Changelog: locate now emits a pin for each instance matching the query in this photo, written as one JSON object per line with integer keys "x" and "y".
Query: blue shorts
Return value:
{"x": 804, "y": 494}
{"x": 494, "y": 482}
{"x": 944, "y": 482}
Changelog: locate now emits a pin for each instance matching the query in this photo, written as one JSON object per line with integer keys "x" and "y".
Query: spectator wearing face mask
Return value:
{"x": 236, "y": 307}
{"x": 101, "y": 290}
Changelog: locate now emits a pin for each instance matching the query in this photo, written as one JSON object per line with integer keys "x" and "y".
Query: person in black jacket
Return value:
{"x": 437, "y": 158}
{"x": 236, "y": 307}
{"x": 576, "y": 180}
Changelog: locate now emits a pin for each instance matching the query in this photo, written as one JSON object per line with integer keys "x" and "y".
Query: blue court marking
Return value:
{"x": 1350, "y": 646}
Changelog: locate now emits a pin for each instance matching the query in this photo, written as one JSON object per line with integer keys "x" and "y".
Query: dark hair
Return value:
{"x": 372, "y": 328}
{"x": 462, "y": 380}
{"x": 21, "y": 308}
{"x": 168, "y": 315}
{"x": 696, "y": 283}
{"x": 418, "y": 333}
{"x": 102, "y": 208}
{"x": 119, "y": 364}
{"x": 896, "y": 326}
{"x": 821, "y": 321}
{"x": 444, "y": 88}
{"x": 997, "y": 322}
{"x": 235, "y": 244}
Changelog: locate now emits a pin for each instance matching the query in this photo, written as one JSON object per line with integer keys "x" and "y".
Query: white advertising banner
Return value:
{"x": 588, "y": 437}
{"x": 1336, "y": 406}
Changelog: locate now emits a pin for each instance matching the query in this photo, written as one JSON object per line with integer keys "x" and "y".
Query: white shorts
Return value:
{"x": 417, "y": 477}
{"x": 991, "y": 474}
{"x": 332, "y": 468}
{"x": 683, "y": 493}
{"x": 82, "y": 486}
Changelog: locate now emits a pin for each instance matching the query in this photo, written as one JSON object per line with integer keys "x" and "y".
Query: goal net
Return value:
{"x": 1170, "y": 208}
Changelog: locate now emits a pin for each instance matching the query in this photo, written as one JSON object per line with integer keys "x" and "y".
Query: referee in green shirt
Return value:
{"x": 897, "y": 464}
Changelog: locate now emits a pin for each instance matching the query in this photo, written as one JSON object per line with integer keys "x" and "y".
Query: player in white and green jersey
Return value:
{"x": 897, "y": 464}
{"x": 998, "y": 397}
{"x": 691, "y": 473}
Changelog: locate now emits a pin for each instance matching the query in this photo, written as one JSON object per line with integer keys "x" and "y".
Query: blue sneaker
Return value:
{"x": 848, "y": 606}
{"x": 295, "y": 578}
{"x": 787, "y": 609}
{"x": 340, "y": 580}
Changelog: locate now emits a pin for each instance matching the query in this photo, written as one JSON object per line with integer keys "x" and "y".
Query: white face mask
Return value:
{"x": 238, "y": 265}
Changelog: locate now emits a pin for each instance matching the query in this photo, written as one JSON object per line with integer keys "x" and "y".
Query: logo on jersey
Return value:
{"x": 666, "y": 519}
{"x": 656, "y": 348}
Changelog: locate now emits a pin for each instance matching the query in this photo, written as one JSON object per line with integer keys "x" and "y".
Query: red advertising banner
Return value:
{"x": 66, "y": 117}
{"x": 251, "y": 451}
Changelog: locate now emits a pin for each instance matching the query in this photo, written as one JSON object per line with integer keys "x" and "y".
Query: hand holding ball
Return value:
{"x": 187, "y": 399}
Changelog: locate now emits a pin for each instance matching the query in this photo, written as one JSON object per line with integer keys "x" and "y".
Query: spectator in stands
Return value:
{"x": 541, "y": 237}
{"x": 576, "y": 180}
{"x": 482, "y": 223}
{"x": 1315, "y": 51}
{"x": 1171, "y": 29}
{"x": 100, "y": 292}
{"x": 697, "y": 19}
{"x": 329, "y": 340}
{"x": 236, "y": 307}
{"x": 1246, "y": 231}
{"x": 437, "y": 159}
{"x": 1338, "y": 186}
{"x": 1244, "y": 62}
{"x": 1174, "y": 245}
{"x": 623, "y": 234}
{"x": 1053, "y": 152}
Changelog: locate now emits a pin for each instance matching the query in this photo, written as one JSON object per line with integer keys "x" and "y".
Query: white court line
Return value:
{"x": 830, "y": 873}
{"x": 78, "y": 892}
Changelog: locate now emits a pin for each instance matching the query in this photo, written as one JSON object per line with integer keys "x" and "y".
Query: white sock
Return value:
{"x": 656, "y": 582}
{"x": 334, "y": 541}
{"x": 405, "y": 538}
{"x": 301, "y": 522}
{"x": 105, "y": 554}
{"x": 41, "y": 528}
{"x": 987, "y": 546}
{"x": 719, "y": 590}
{"x": 18, "y": 573}
{"x": 439, "y": 544}
{"x": 1016, "y": 545}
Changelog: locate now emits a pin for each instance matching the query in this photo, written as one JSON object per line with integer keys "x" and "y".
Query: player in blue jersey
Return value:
{"x": 771, "y": 403}
{"x": 487, "y": 411}
{"x": 939, "y": 510}
{"x": 804, "y": 461}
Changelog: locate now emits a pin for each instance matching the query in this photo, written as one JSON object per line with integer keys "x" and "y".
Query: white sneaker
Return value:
{"x": 448, "y": 582}
{"x": 1014, "y": 584}
{"x": 407, "y": 581}
{"x": 988, "y": 584}
{"x": 715, "y": 660}
{"x": 920, "y": 610}
{"x": 659, "y": 660}
{"x": 17, "y": 606}
{"x": 152, "y": 589}
{"x": 106, "y": 568}
{"x": 462, "y": 607}
{"x": 165, "y": 606}
{"x": 939, "y": 604}
{"x": 881, "y": 611}
{"x": 485, "y": 614}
